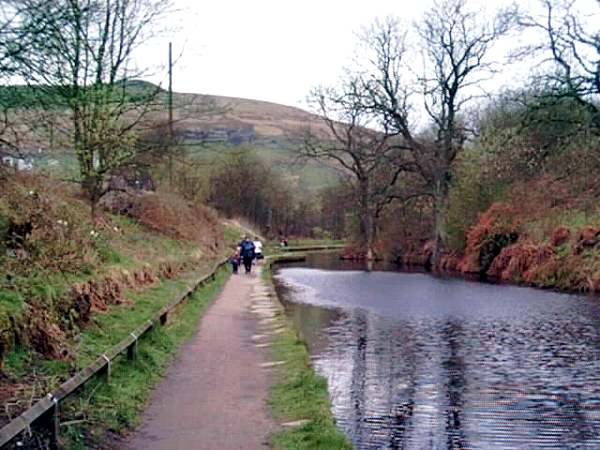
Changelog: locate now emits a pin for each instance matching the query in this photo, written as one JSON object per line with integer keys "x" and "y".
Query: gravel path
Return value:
{"x": 214, "y": 394}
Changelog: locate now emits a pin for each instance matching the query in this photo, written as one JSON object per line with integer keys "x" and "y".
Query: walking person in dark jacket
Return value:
{"x": 247, "y": 253}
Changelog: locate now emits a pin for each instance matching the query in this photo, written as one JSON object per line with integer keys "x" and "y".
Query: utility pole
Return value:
{"x": 269, "y": 221}
{"x": 51, "y": 136}
{"x": 170, "y": 100}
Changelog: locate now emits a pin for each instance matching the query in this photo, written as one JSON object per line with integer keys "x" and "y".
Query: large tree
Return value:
{"x": 363, "y": 147}
{"x": 571, "y": 43}
{"x": 82, "y": 65}
{"x": 17, "y": 115}
{"x": 456, "y": 43}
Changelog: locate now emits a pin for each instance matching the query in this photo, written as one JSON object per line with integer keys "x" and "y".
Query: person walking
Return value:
{"x": 234, "y": 260}
{"x": 258, "y": 245}
{"x": 247, "y": 253}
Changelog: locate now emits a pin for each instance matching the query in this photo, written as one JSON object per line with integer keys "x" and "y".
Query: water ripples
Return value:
{"x": 499, "y": 367}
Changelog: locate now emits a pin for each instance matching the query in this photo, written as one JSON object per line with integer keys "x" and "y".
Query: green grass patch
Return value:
{"x": 17, "y": 362}
{"x": 574, "y": 219}
{"x": 299, "y": 394}
{"x": 61, "y": 164}
{"x": 314, "y": 242}
{"x": 136, "y": 243}
{"x": 10, "y": 301}
{"x": 116, "y": 406}
{"x": 232, "y": 234}
{"x": 113, "y": 326}
{"x": 302, "y": 394}
{"x": 309, "y": 176}
{"x": 298, "y": 245}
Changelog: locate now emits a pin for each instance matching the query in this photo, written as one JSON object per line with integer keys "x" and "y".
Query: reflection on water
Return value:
{"x": 415, "y": 361}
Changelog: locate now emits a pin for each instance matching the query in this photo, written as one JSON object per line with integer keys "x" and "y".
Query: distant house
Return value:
{"x": 19, "y": 162}
{"x": 232, "y": 136}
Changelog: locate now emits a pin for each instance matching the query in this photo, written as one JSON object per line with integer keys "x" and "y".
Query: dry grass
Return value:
{"x": 498, "y": 224}
{"x": 62, "y": 271}
{"x": 174, "y": 217}
{"x": 268, "y": 119}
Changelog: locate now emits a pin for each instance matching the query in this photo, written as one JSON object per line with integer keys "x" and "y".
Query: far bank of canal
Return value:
{"x": 417, "y": 361}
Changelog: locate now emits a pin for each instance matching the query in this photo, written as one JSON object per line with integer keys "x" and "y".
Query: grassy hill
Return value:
{"x": 212, "y": 125}
{"x": 208, "y": 127}
{"x": 269, "y": 121}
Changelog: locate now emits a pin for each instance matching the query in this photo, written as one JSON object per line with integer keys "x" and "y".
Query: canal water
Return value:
{"x": 415, "y": 361}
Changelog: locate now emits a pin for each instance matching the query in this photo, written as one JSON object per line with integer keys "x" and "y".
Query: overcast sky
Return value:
{"x": 273, "y": 50}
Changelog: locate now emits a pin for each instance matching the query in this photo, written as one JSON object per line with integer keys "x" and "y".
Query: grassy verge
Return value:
{"x": 104, "y": 330}
{"x": 574, "y": 219}
{"x": 299, "y": 393}
{"x": 113, "y": 326}
{"x": 305, "y": 245}
{"x": 104, "y": 410}
{"x": 314, "y": 242}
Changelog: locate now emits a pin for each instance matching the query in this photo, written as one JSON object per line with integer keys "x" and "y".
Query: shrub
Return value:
{"x": 559, "y": 236}
{"x": 495, "y": 229}
{"x": 177, "y": 218}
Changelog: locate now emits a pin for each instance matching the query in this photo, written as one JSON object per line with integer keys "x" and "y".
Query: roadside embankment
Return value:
{"x": 70, "y": 288}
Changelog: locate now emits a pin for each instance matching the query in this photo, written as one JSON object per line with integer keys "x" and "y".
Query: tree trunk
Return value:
{"x": 367, "y": 220}
{"x": 92, "y": 191}
{"x": 440, "y": 204}
{"x": 369, "y": 235}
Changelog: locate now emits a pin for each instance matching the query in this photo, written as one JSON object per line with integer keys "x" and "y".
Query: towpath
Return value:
{"x": 214, "y": 394}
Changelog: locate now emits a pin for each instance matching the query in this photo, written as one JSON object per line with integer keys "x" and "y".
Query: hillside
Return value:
{"x": 210, "y": 126}
{"x": 193, "y": 113}
{"x": 207, "y": 126}
{"x": 261, "y": 120}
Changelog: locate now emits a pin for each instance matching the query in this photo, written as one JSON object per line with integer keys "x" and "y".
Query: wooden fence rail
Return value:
{"x": 44, "y": 414}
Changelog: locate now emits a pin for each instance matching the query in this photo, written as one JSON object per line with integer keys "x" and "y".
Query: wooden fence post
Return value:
{"x": 107, "y": 369}
{"x": 45, "y": 430}
{"x": 55, "y": 422}
{"x": 132, "y": 349}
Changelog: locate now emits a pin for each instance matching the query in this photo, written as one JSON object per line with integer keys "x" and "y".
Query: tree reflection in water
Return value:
{"x": 454, "y": 365}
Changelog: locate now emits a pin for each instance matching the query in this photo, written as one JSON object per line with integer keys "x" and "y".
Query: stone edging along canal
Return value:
{"x": 298, "y": 397}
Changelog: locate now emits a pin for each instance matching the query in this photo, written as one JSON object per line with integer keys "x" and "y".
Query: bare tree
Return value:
{"x": 82, "y": 66}
{"x": 456, "y": 43}
{"x": 371, "y": 157}
{"x": 15, "y": 36}
{"x": 242, "y": 185}
{"x": 572, "y": 45}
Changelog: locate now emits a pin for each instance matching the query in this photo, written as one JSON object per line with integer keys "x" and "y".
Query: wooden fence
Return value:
{"x": 45, "y": 415}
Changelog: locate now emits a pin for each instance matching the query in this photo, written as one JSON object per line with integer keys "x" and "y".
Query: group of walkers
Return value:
{"x": 246, "y": 253}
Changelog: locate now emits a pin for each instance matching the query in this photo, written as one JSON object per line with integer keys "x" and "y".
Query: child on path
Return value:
{"x": 234, "y": 260}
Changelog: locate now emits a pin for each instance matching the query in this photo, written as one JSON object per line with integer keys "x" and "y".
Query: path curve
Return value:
{"x": 214, "y": 394}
